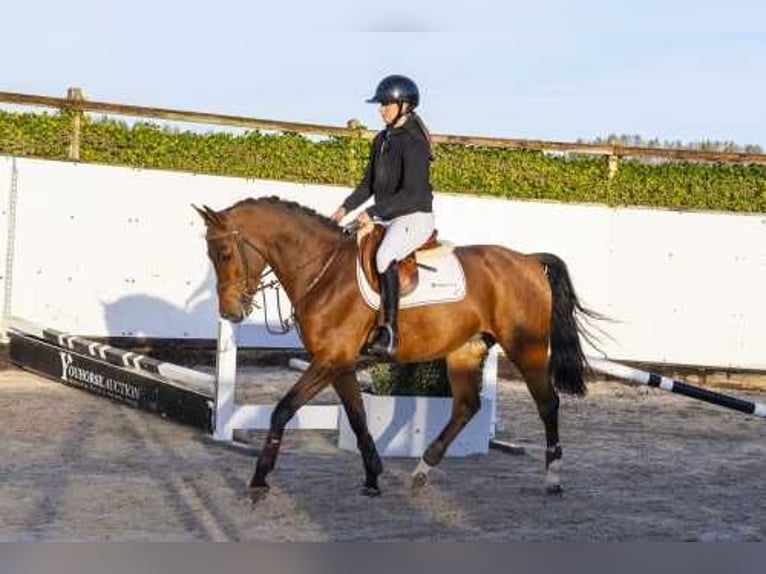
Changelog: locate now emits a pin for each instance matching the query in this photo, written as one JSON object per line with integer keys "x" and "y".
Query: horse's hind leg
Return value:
{"x": 464, "y": 372}
{"x": 532, "y": 361}
{"x": 348, "y": 390}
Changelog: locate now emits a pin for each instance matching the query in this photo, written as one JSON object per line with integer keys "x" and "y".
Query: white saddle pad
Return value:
{"x": 445, "y": 284}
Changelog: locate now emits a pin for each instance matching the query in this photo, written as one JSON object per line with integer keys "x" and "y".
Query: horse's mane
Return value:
{"x": 290, "y": 206}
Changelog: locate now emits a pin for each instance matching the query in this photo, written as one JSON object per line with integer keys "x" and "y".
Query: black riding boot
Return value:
{"x": 383, "y": 342}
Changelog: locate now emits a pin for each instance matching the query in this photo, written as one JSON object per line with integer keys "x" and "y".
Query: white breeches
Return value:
{"x": 403, "y": 236}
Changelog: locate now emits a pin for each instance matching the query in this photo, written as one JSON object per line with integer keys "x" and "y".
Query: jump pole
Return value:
{"x": 169, "y": 390}
{"x": 640, "y": 377}
{"x": 186, "y": 395}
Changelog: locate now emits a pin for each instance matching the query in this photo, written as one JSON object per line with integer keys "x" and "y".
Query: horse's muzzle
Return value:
{"x": 236, "y": 317}
{"x": 235, "y": 307}
{"x": 235, "y": 312}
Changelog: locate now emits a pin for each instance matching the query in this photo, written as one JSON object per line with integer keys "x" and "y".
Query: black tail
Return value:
{"x": 567, "y": 362}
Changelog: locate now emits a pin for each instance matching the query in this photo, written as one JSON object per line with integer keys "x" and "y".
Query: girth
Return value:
{"x": 408, "y": 267}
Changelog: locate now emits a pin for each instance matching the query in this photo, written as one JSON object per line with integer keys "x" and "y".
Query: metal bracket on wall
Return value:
{"x": 9, "y": 251}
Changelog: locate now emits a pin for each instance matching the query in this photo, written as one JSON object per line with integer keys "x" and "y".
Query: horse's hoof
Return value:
{"x": 257, "y": 493}
{"x": 554, "y": 489}
{"x": 370, "y": 491}
{"x": 419, "y": 480}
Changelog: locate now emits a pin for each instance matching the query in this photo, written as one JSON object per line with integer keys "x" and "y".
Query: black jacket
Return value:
{"x": 397, "y": 174}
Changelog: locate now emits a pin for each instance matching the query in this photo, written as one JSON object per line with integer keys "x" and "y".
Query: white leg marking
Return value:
{"x": 422, "y": 468}
{"x": 552, "y": 474}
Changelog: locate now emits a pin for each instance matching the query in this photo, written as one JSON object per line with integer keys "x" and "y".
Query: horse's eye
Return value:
{"x": 224, "y": 256}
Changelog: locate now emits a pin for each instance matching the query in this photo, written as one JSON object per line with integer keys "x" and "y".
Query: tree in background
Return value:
{"x": 636, "y": 140}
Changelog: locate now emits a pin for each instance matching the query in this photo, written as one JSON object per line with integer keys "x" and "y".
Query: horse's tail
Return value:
{"x": 567, "y": 360}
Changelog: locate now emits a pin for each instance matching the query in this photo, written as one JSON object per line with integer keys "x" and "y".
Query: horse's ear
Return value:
{"x": 213, "y": 216}
{"x": 209, "y": 216}
{"x": 202, "y": 214}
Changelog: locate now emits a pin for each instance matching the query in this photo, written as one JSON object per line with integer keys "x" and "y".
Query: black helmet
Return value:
{"x": 396, "y": 89}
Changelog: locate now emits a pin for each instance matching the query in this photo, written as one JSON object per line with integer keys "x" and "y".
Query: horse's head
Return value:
{"x": 238, "y": 264}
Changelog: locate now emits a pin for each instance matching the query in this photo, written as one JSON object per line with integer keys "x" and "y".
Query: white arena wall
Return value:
{"x": 109, "y": 251}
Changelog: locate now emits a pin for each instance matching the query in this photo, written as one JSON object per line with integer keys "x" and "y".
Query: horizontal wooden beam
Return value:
{"x": 177, "y": 115}
{"x": 603, "y": 150}
{"x": 319, "y": 129}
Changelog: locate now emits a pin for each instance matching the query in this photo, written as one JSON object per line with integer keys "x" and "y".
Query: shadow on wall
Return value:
{"x": 149, "y": 317}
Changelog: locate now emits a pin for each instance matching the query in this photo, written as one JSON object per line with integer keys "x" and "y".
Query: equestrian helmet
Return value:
{"x": 395, "y": 88}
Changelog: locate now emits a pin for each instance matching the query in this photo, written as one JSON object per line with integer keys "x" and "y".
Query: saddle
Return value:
{"x": 408, "y": 267}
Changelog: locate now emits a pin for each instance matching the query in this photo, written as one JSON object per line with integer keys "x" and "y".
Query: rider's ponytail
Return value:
{"x": 427, "y": 134}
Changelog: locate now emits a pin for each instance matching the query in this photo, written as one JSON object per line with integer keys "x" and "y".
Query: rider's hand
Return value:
{"x": 363, "y": 219}
{"x": 364, "y": 225}
{"x": 339, "y": 214}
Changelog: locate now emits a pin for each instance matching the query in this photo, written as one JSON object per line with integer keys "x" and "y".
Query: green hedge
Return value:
{"x": 420, "y": 379}
{"x": 37, "y": 135}
{"x": 340, "y": 161}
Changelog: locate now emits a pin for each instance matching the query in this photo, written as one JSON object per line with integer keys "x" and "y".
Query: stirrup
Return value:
{"x": 376, "y": 347}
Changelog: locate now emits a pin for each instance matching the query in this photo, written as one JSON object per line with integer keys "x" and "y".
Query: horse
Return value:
{"x": 524, "y": 302}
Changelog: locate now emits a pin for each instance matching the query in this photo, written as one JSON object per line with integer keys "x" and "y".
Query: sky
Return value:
{"x": 553, "y": 70}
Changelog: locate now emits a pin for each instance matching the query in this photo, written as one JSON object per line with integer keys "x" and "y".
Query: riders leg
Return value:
{"x": 403, "y": 236}
{"x": 385, "y": 339}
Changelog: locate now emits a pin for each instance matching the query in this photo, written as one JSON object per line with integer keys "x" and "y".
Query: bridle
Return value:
{"x": 243, "y": 283}
{"x": 248, "y": 290}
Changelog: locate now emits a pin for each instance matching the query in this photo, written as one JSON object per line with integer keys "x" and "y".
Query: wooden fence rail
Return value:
{"x": 75, "y": 102}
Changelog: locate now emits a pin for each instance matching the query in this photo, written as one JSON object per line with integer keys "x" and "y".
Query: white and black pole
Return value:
{"x": 654, "y": 380}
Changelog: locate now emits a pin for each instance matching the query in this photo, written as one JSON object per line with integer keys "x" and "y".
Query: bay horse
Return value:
{"x": 524, "y": 302}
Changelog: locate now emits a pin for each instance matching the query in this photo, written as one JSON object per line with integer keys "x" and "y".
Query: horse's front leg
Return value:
{"x": 347, "y": 387}
{"x": 313, "y": 380}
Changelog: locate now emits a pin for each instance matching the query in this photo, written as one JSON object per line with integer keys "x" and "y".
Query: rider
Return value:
{"x": 397, "y": 175}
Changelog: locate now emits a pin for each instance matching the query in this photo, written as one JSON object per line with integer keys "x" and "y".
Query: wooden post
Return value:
{"x": 614, "y": 163}
{"x": 356, "y": 130}
{"x": 75, "y": 95}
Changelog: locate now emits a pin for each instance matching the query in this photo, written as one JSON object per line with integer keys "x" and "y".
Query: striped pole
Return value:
{"x": 654, "y": 380}
{"x": 162, "y": 388}
{"x": 196, "y": 380}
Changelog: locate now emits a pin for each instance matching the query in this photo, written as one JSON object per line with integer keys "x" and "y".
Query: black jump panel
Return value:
{"x": 129, "y": 387}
